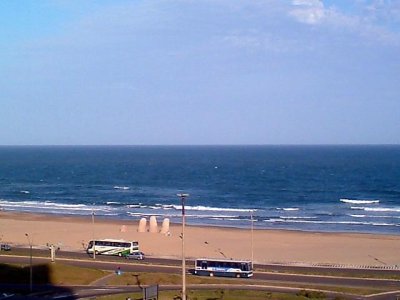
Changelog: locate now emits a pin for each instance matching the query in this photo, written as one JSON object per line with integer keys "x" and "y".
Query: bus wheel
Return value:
{"x": 211, "y": 274}
{"x": 96, "y": 252}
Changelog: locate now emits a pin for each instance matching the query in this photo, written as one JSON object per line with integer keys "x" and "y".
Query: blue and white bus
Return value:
{"x": 112, "y": 247}
{"x": 223, "y": 267}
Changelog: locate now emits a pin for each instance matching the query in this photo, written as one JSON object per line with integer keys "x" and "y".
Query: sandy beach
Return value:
{"x": 269, "y": 246}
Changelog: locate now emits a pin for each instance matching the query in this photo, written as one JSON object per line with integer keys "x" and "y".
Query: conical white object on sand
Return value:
{"x": 142, "y": 225}
{"x": 165, "y": 226}
{"x": 153, "y": 224}
{"x": 123, "y": 228}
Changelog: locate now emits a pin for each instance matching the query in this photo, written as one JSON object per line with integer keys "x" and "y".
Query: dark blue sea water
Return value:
{"x": 322, "y": 188}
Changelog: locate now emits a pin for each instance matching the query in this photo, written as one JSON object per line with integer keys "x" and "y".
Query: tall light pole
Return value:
{"x": 30, "y": 263}
{"x": 183, "y": 198}
{"x": 94, "y": 241}
{"x": 252, "y": 239}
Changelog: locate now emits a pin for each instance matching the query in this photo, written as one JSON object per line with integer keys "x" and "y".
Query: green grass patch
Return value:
{"x": 143, "y": 279}
{"x": 140, "y": 279}
{"x": 337, "y": 273}
{"x": 69, "y": 275}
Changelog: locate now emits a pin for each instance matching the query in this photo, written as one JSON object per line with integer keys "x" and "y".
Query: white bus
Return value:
{"x": 223, "y": 267}
{"x": 112, "y": 247}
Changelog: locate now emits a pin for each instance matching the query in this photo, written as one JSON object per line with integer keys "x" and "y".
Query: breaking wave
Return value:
{"x": 359, "y": 201}
{"x": 377, "y": 209}
{"x": 116, "y": 187}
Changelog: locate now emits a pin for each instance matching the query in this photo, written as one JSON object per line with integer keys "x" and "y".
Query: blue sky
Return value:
{"x": 199, "y": 72}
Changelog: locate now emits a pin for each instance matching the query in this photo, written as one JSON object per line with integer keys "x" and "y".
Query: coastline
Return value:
{"x": 71, "y": 233}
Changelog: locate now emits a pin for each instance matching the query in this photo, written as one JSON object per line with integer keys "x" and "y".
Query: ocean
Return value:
{"x": 309, "y": 188}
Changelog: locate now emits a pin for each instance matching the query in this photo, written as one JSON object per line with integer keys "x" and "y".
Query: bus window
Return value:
{"x": 245, "y": 267}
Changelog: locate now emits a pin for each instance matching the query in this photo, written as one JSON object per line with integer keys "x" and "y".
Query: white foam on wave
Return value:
{"x": 358, "y": 216}
{"x": 288, "y": 208}
{"x": 148, "y": 214}
{"x": 121, "y": 187}
{"x": 47, "y": 205}
{"x": 213, "y": 216}
{"x": 208, "y": 208}
{"x": 353, "y": 201}
{"x": 377, "y": 209}
{"x": 331, "y": 222}
{"x": 139, "y": 205}
{"x": 382, "y": 209}
{"x": 25, "y": 192}
{"x": 385, "y": 217}
{"x": 224, "y": 219}
{"x": 357, "y": 207}
{"x": 63, "y": 205}
{"x": 295, "y": 218}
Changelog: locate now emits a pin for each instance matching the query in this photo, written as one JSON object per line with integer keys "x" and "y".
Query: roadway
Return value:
{"x": 270, "y": 275}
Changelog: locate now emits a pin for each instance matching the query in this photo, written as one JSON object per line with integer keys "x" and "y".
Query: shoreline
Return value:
{"x": 125, "y": 220}
{"x": 72, "y": 233}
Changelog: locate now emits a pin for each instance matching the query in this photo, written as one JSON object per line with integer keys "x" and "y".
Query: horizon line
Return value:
{"x": 192, "y": 145}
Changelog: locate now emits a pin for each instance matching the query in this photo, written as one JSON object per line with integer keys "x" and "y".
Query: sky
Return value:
{"x": 203, "y": 72}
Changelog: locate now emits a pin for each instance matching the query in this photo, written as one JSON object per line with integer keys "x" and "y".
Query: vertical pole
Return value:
{"x": 94, "y": 241}
{"x": 52, "y": 253}
{"x": 30, "y": 263}
{"x": 183, "y": 197}
{"x": 183, "y": 252}
{"x": 30, "y": 269}
{"x": 252, "y": 240}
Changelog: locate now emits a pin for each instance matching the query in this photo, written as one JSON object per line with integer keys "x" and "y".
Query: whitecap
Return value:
{"x": 382, "y": 209}
{"x": 357, "y": 207}
{"x": 300, "y": 218}
{"x": 121, "y": 187}
{"x": 331, "y": 222}
{"x": 353, "y": 201}
{"x": 358, "y": 216}
{"x": 208, "y": 208}
{"x": 289, "y": 208}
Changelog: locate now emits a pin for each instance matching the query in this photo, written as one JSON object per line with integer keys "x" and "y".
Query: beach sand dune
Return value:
{"x": 269, "y": 246}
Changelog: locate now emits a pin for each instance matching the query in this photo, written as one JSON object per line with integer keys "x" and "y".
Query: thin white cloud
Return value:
{"x": 308, "y": 11}
{"x": 374, "y": 21}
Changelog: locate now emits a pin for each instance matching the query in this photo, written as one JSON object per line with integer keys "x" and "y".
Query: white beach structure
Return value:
{"x": 165, "y": 226}
{"x": 153, "y": 224}
{"x": 142, "y": 225}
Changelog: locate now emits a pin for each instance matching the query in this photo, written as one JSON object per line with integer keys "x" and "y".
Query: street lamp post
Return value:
{"x": 30, "y": 263}
{"x": 94, "y": 241}
{"x": 252, "y": 239}
{"x": 183, "y": 198}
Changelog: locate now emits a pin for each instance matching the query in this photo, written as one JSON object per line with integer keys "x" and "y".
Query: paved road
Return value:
{"x": 334, "y": 271}
{"x": 173, "y": 266}
{"x": 271, "y": 277}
